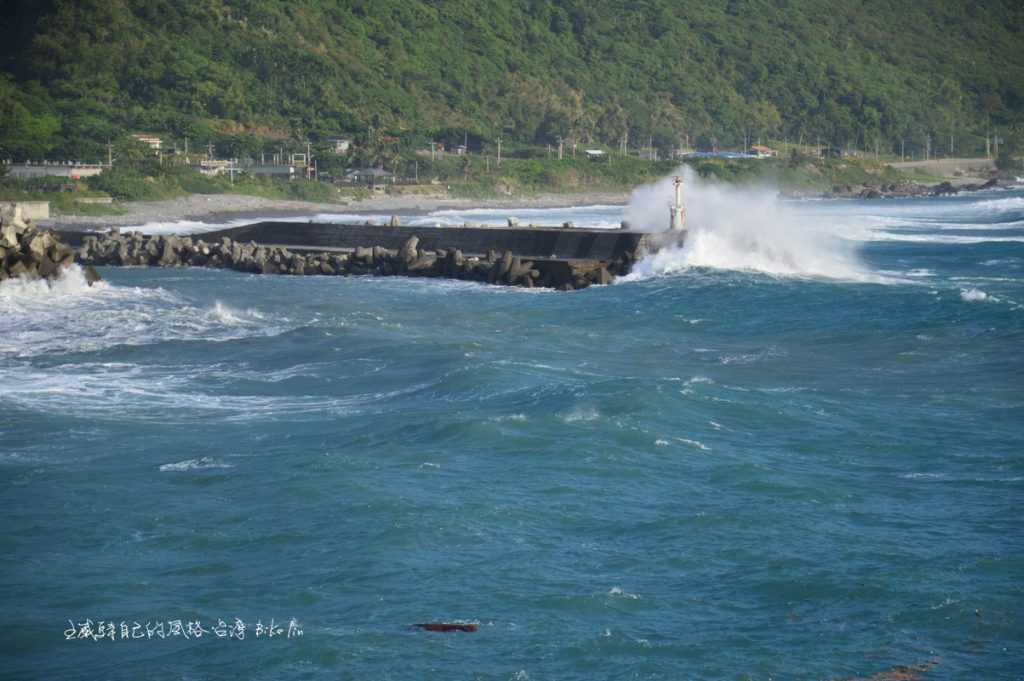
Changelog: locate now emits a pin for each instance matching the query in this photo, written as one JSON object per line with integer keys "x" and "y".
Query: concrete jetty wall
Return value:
{"x": 563, "y": 243}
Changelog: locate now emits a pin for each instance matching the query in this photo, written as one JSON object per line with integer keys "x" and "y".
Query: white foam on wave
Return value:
{"x": 596, "y": 216}
{"x": 743, "y": 229}
{"x": 185, "y": 226}
{"x": 974, "y": 294}
{"x": 70, "y": 318}
{"x": 229, "y": 315}
{"x": 508, "y": 417}
{"x": 17, "y": 294}
{"x": 581, "y": 414}
{"x": 203, "y": 463}
{"x": 617, "y": 592}
{"x": 939, "y": 238}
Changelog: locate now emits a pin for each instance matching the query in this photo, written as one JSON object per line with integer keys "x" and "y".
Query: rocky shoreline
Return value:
{"x": 505, "y": 268}
{"x": 895, "y": 190}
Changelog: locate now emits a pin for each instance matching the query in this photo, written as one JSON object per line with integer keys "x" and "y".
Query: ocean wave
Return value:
{"x": 939, "y": 238}
{"x": 67, "y": 315}
{"x": 19, "y": 294}
{"x": 694, "y": 443}
{"x": 974, "y": 294}
{"x": 618, "y": 592}
{"x": 203, "y": 463}
{"x": 184, "y": 226}
{"x": 581, "y": 414}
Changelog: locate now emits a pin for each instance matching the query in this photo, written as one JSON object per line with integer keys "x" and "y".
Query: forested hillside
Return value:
{"x": 78, "y": 72}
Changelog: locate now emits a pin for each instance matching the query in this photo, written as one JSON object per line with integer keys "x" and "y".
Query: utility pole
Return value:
{"x": 110, "y": 154}
{"x": 987, "y": 148}
{"x": 499, "y": 151}
{"x": 927, "y": 147}
{"x": 951, "y": 145}
{"x": 433, "y": 148}
{"x": 416, "y": 166}
{"x": 903, "y": 156}
{"x": 560, "y": 141}
{"x": 309, "y": 159}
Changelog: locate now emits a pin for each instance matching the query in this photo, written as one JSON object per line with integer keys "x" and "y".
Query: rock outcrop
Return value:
{"x": 896, "y": 190}
{"x": 505, "y": 268}
{"x": 30, "y": 253}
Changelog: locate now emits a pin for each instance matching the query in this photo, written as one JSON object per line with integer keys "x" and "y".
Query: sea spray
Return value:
{"x": 740, "y": 228}
{"x": 22, "y": 291}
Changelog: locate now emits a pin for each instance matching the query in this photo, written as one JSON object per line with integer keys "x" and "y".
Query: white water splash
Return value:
{"x": 16, "y": 294}
{"x": 746, "y": 229}
{"x": 973, "y": 294}
{"x": 202, "y": 463}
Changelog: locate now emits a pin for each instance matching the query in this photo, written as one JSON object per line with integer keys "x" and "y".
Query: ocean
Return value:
{"x": 792, "y": 449}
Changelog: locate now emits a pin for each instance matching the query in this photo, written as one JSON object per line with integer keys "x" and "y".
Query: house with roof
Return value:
{"x": 371, "y": 176}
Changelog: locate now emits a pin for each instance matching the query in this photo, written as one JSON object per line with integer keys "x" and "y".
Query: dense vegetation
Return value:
{"x": 247, "y": 74}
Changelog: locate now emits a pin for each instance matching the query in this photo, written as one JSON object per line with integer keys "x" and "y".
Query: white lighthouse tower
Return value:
{"x": 676, "y": 211}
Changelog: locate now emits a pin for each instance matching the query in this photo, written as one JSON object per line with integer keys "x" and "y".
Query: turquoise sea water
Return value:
{"x": 740, "y": 464}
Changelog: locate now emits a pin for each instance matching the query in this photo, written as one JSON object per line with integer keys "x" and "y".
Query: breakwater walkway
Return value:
{"x": 564, "y": 258}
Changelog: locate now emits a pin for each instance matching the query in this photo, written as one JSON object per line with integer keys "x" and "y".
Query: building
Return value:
{"x": 595, "y": 154}
{"x": 340, "y": 145}
{"x": 761, "y": 151}
{"x": 461, "y": 150}
{"x": 371, "y": 176}
{"x": 211, "y": 167}
{"x": 152, "y": 141}
{"x": 278, "y": 170}
{"x": 73, "y": 170}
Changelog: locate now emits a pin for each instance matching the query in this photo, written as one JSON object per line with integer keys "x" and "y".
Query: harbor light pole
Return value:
{"x": 676, "y": 211}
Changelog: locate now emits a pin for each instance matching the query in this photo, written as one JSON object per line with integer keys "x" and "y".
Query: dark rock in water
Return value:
{"x": 944, "y": 188}
{"x": 47, "y": 268}
{"x": 91, "y": 275}
{"x": 446, "y": 627}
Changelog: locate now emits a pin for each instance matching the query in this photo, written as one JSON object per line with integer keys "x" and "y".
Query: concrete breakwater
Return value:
{"x": 318, "y": 249}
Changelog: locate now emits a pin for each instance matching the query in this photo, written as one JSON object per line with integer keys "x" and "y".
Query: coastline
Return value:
{"x": 227, "y": 208}
{"x": 217, "y": 208}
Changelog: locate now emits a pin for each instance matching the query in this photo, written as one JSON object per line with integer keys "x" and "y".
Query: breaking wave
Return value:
{"x": 731, "y": 228}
